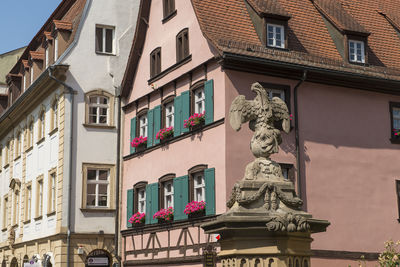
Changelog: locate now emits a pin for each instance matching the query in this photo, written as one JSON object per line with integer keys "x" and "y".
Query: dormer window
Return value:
{"x": 275, "y": 35}
{"x": 356, "y": 51}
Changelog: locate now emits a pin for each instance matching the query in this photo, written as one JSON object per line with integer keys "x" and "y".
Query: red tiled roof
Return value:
{"x": 48, "y": 35}
{"x": 62, "y": 25}
{"x": 228, "y": 26}
{"x": 271, "y": 7}
{"x": 36, "y": 55}
{"x": 25, "y": 63}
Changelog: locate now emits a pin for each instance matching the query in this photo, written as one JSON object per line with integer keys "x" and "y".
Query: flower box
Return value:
{"x": 195, "y": 121}
{"x": 396, "y": 133}
{"x": 137, "y": 219}
{"x": 139, "y": 143}
{"x": 164, "y": 215}
{"x": 195, "y": 209}
{"x": 165, "y": 134}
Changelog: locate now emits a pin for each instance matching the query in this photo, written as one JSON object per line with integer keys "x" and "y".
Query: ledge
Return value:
{"x": 105, "y": 54}
{"x": 170, "y": 69}
{"x": 27, "y": 221}
{"x": 51, "y": 213}
{"x": 28, "y": 149}
{"x": 6, "y": 165}
{"x": 175, "y": 139}
{"x": 98, "y": 126}
{"x": 97, "y": 210}
{"x": 40, "y": 140}
{"x": 17, "y": 157}
{"x": 53, "y": 131}
{"x": 394, "y": 140}
{"x": 170, "y": 16}
{"x": 4, "y": 229}
{"x": 38, "y": 218}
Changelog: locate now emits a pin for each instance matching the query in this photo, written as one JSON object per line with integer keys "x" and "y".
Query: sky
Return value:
{"x": 20, "y": 20}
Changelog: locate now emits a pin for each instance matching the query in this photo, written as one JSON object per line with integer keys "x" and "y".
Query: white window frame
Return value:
{"x": 99, "y": 106}
{"x": 142, "y": 200}
{"x": 274, "y": 38}
{"x": 143, "y": 123}
{"x": 31, "y": 73}
{"x": 169, "y": 194}
{"x": 396, "y": 118}
{"x": 201, "y": 186}
{"x": 31, "y": 134}
{"x": 24, "y": 82}
{"x": 40, "y": 198}
{"x": 199, "y": 101}
{"x": 56, "y": 48}
{"x": 29, "y": 202}
{"x": 53, "y": 181}
{"x": 98, "y": 182}
{"x": 169, "y": 114}
{"x": 354, "y": 57}
{"x": 16, "y": 207}
{"x": 42, "y": 124}
{"x": 104, "y": 41}
{"x": 47, "y": 57}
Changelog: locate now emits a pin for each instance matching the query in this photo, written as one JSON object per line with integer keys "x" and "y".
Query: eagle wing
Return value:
{"x": 281, "y": 113}
{"x": 241, "y": 111}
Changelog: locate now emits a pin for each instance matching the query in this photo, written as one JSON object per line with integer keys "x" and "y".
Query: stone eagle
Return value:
{"x": 261, "y": 111}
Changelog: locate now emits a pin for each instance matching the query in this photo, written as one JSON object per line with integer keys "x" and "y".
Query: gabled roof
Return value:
{"x": 271, "y": 7}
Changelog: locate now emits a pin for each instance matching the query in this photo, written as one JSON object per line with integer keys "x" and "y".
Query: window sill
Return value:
{"x": 105, "y": 54}
{"x": 53, "y": 131}
{"x": 28, "y": 149}
{"x": 6, "y": 165}
{"x": 51, "y": 213}
{"x": 395, "y": 140}
{"x": 363, "y": 64}
{"x": 277, "y": 48}
{"x": 17, "y": 158}
{"x": 174, "y": 139}
{"x": 98, "y": 126}
{"x": 38, "y": 218}
{"x": 170, "y": 16}
{"x": 40, "y": 141}
{"x": 4, "y": 229}
{"x": 15, "y": 225}
{"x": 27, "y": 221}
{"x": 170, "y": 69}
{"x": 97, "y": 210}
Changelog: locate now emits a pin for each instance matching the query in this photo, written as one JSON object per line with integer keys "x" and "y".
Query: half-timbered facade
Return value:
{"x": 58, "y": 138}
{"x": 335, "y": 63}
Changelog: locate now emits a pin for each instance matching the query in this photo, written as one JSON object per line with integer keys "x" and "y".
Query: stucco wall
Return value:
{"x": 350, "y": 165}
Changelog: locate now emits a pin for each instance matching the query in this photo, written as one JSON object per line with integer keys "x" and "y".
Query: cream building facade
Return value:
{"x": 59, "y": 138}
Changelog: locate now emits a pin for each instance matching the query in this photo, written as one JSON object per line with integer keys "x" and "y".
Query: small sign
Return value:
{"x": 98, "y": 261}
{"x": 209, "y": 256}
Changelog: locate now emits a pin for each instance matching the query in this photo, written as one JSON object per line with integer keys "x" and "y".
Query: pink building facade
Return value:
{"x": 341, "y": 88}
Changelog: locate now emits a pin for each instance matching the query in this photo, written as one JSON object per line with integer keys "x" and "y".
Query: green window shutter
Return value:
{"x": 181, "y": 197}
{"x": 185, "y": 98}
{"x": 209, "y": 177}
{"x": 133, "y": 133}
{"x": 157, "y": 123}
{"x": 151, "y": 202}
{"x": 177, "y": 116}
{"x": 150, "y": 127}
{"x": 129, "y": 207}
{"x": 209, "y": 100}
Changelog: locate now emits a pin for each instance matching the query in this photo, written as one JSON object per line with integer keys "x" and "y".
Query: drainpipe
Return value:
{"x": 117, "y": 176}
{"x": 71, "y": 92}
{"x": 296, "y": 130}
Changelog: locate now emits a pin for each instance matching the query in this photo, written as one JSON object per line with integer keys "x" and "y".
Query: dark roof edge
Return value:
{"x": 137, "y": 47}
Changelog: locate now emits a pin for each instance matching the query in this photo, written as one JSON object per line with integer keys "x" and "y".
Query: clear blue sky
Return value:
{"x": 20, "y": 20}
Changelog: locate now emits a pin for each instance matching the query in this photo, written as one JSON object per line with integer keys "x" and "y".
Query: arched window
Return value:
{"x": 54, "y": 115}
{"x": 42, "y": 124}
{"x": 99, "y": 108}
{"x": 30, "y": 133}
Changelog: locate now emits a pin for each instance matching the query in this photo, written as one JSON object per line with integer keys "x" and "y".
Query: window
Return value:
{"x": 41, "y": 125}
{"x": 24, "y": 82}
{"x": 30, "y": 134}
{"x": 99, "y": 109}
{"x": 199, "y": 98}
{"x": 155, "y": 62}
{"x": 5, "y": 213}
{"x": 394, "y": 109}
{"x": 51, "y": 206}
{"x": 182, "y": 45}
{"x": 97, "y": 188}
{"x": 28, "y": 202}
{"x": 47, "y": 56}
{"x": 56, "y": 48}
{"x": 105, "y": 39}
{"x": 276, "y": 93}
{"x": 275, "y": 35}
{"x": 54, "y": 114}
{"x": 7, "y": 154}
{"x": 142, "y": 200}
{"x": 277, "y": 90}
{"x": 199, "y": 186}
{"x": 287, "y": 171}
{"x": 167, "y": 190}
{"x": 356, "y": 51}
{"x": 18, "y": 145}
{"x": 169, "y": 7}
{"x": 16, "y": 208}
{"x": 39, "y": 197}
{"x": 143, "y": 125}
{"x": 169, "y": 114}
{"x": 1, "y": 158}
{"x": 31, "y": 73}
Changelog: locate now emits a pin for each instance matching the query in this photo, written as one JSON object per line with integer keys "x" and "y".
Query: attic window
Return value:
{"x": 275, "y": 35}
{"x": 356, "y": 51}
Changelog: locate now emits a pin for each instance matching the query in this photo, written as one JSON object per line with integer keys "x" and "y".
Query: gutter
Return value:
{"x": 117, "y": 177}
{"x": 297, "y": 135}
{"x": 71, "y": 92}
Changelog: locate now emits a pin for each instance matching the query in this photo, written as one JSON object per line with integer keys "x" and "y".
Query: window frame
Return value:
{"x": 169, "y": 9}
{"x": 41, "y": 124}
{"x": 52, "y": 194}
{"x": 395, "y": 139}
{"x": 7, "y": 153}
{"x": 18, "y": 144}
{"x": 166, "y": 102}
{"x": 283, "y": 35}
{"x": 110, "y": 110}
{"x": 54, "y": 115}
{"x": 397, "y": 184}
{"x": 182, "y": 45}
{"x": 28, "y": 202}
{"x": 191, "y": 173}
{"x": 30, "y": 133}
{"x": 139, "y": 114}
{"x": 1, "y": 158}
{"x": 104, "y": 39}
{"x": 163, "y": 180}
{"x": 5, "y": 212}
{"x": 136, "y": 188}
{"x": 110, "y": 191}
{"x": 196, "y": 86}
{"x": 155, "y": 62}
{"x": 16, "y": 207}
{"x": 279, "y": 87}
{"x": 363, "y": 50}
{"x": 39, "y": 197}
